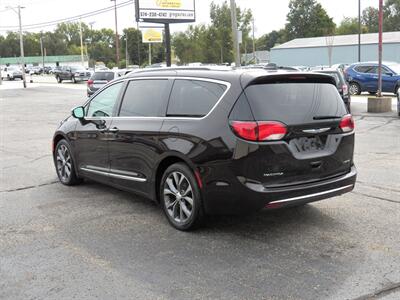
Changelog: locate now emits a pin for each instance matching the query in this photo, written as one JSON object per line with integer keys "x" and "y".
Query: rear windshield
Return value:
{"x": 294, "y": 103}
{"x": 106, "y": 76}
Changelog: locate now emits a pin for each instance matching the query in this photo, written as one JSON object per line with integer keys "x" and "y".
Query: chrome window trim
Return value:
{"x": 311, "y": 195}
{"x": 225, "y": 83}
{"x": 113, "y": 175}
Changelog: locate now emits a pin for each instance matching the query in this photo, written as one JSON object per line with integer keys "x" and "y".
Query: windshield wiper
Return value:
{"x": 326, "y": 117}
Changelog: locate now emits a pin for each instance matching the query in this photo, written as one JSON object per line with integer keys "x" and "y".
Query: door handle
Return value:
{"x": 113, "y": 130}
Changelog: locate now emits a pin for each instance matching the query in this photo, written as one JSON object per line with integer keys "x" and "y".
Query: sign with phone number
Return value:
{"x": 165, "y": 11}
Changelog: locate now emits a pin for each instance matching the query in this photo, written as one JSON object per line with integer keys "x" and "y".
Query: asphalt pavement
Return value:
{"x": 95, "y": 242}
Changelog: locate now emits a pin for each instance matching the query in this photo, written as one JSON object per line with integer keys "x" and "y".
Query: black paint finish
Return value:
{"x": 131, "y": 153}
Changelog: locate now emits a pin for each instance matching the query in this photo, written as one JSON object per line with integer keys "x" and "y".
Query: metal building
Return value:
{"x": 315, "y": 51}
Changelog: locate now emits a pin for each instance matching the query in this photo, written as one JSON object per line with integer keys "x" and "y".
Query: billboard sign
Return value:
{"x": 152, "y": 35}
{"x": 165, "y": 11}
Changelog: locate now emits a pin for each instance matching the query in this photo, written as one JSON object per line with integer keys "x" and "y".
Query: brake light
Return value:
{"x": 347, "y": 123}
{"x": 90, "y": 82}
{"x": 259, "y": 131}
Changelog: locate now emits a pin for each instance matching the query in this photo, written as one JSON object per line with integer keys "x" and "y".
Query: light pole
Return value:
{"x": 359, "y": 30}
{"x": 21, "y": 41}
{"x": 116, "y": 33}
{"x": 236, "y": 49}
{"x": 380, "y": 48}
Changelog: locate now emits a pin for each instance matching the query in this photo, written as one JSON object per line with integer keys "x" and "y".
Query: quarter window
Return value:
{"x": 145, "y": 98}
{"x": 194, "y": 98}
{"x": 103, "y": 104}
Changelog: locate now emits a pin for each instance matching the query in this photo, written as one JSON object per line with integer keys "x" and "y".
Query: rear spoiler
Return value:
{"x": 289, "y": 78}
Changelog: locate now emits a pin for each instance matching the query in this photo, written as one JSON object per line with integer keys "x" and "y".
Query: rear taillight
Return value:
{"x": 90, "y": 82}
{"x": 259, "y": 131}
{"x": 347, "y": 123}
{"x": 345, "y": 89}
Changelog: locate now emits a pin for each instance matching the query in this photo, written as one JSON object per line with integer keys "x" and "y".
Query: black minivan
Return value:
{"x": 212, "y": 142}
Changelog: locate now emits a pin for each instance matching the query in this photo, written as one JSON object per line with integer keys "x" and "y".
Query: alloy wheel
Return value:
{"x": 354, "y": 89}
{"x": 178, "y": 197}
{"x": 64, "y": 163}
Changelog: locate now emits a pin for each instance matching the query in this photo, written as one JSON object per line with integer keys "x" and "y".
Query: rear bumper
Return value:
{"x": 246, "y": 197}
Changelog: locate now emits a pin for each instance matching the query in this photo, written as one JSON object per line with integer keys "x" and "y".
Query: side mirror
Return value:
{"x": 78, "y": 112}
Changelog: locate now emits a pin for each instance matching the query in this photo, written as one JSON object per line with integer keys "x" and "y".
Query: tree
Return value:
{"x": 392, "y": 15}
{"x": 307, "y": 18}
{"x": 370, "y": 19}
{"x": 350, "y": 26}
{"x": 269, "y": 40}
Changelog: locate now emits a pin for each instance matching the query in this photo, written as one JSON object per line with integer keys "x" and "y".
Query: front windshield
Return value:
{"x": 395, "y": 67}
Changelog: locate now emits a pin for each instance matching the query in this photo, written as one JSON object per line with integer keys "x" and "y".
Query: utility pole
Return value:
{"x": 126, "y": 50}
{"x": 41, "y": 49}
{"x": 81, "y": 36}
{"x": 116, "y": 33}
{"x": 168, "y": 44}
{"x": 235, "y": 34}
{"x": 380, "y": 48}
{"x": 359, "y": 30}
{"x": 21, "y": 41}
{"x": 254, "y": 43}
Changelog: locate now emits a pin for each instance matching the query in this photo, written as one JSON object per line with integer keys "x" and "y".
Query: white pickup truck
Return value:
{"x": 10, "y": 73}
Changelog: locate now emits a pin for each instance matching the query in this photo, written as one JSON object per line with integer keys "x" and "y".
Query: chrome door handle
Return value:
{"x": 113, "y": 130}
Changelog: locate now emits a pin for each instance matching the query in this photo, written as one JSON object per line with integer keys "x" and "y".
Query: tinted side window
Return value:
{"x": 194, "y": 98}
{"x": 145, "y": 98}
{"x": 103, "y": 104}
{"x": 363, "y": 69}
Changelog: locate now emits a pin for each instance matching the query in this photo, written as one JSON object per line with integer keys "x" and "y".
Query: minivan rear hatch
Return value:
{"x": 303, "y": 133}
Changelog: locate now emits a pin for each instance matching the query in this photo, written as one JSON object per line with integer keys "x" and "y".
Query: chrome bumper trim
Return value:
{"x": 311, "y": 195}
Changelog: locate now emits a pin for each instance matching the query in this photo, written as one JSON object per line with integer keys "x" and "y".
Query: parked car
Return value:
{"x": 55, "y": 70}
{"x": 363, "y": 77}
{"x": 75, "y": 74}
{"x": 36, "y": 70}
{"x": 398, "y": 102}
{"x": 341, "y": 84}
{"x": 11, "y": 73}
{"x": 98, "y": 80}
{"x": 212, "y": 142}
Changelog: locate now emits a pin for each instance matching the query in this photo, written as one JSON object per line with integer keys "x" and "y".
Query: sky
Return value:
{"x": 269, "y": 14}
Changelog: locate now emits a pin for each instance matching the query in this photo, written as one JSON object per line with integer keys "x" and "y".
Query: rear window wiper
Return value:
{"x": 326, "y": 117}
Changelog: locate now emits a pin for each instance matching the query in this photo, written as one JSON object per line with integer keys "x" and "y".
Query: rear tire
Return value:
{"x": 64, "y": 164}
{"x": 355, "y": 88}
{"x": 180, "y": 198}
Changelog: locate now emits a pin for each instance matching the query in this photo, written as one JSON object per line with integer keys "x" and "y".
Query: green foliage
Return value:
{"x": 307, "y": 18}
{"x": 370, "y": 19}
{"x": 269, "y": 40}
{"x": 392, "y": 15}
{"x": 213, "y": 43}
{"x": 350, "y": 26}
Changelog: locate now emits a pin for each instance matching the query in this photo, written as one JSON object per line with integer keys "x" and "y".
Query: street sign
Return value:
{"x": 152, "y": 35}
{"x": 165, "y": 11}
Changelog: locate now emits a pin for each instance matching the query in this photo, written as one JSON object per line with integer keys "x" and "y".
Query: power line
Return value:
{"x": 69, "y": 19}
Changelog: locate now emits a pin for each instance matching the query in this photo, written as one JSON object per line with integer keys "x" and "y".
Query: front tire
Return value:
{"x": 355, "y": 88}
{"x": 59, "y": 80}
{"x": 74, "y": 79}
{"x": 180, "y": 198}
{"x": 65, "y": 165}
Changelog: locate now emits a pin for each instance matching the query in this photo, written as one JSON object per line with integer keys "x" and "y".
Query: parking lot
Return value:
{"x": 95, "y": 242}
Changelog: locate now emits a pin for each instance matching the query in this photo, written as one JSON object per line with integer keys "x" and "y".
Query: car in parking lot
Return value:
{"x": 73, "y": 73}
{"x": 100, "y": 79}
{"x": 11, "y": 73}
{"x": 212, "y": 142}
{"x": 363, "y": 77}
{"x": 341, "y": 84}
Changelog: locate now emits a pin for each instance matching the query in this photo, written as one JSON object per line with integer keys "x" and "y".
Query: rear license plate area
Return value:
{"x": 309, "y": 144}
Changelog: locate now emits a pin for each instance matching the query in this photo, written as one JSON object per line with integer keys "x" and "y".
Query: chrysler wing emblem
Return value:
{"x": 319, "y": 130}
